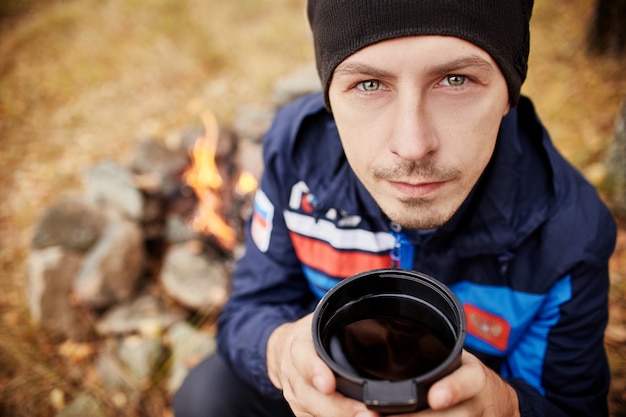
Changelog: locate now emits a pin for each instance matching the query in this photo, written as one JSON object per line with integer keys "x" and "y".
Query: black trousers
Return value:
{"x": 212, "y": 389}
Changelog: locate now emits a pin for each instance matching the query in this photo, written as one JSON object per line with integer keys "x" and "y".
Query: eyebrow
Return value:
{"x": 354, "y": 68}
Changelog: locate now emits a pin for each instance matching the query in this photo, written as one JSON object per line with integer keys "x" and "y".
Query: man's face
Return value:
{"x": 418, "y": 118}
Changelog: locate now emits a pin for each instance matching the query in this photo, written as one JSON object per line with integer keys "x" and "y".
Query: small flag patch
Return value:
{"x": 262, "y": 217}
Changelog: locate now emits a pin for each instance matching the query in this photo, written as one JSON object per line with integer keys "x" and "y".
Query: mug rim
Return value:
{"x": 442, "y": 369}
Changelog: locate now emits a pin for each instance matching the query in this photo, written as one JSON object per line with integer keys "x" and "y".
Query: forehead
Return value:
{"x": 430, "y": 53}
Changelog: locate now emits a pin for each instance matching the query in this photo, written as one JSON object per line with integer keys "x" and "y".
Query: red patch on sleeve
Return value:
{"x": 488, "y": 327}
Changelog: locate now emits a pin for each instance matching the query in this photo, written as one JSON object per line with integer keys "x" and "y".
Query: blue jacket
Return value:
{"x": 526, "y": 254}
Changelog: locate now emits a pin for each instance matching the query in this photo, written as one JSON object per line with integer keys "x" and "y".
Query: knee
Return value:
{"x": 213, "y": 389}
{"x": 196, "y": 396}
{"x": 207, "y": 391}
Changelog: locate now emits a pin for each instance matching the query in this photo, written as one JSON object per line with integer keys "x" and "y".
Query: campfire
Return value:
{"x": 165, "y": 227}
{"x": 204, "y": 177}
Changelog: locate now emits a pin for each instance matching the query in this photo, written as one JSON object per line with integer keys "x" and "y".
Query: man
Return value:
{"x": 419, "y": 153}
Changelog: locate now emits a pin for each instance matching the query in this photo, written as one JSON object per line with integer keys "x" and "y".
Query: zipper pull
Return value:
{"x": 403, "y": 252}
{"x": 395, "y": 252}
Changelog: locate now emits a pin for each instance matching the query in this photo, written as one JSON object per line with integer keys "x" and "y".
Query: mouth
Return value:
{"x": 417, "y": 190}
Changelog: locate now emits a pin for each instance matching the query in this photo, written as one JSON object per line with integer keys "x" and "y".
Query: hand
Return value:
{"x": 471, "y": 390}
{"x": 308, "y": 384}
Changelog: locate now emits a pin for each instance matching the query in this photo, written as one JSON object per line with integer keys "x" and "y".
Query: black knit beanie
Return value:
{"x": 500, "y": 27}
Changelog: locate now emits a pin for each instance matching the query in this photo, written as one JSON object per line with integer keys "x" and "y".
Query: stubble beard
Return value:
{"x": 418, "y": 213}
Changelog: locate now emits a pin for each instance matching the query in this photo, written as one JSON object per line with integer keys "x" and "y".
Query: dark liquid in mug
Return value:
{"x": 389, "y": 349}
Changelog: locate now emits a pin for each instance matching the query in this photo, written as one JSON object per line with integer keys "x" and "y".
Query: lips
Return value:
{"x": 418, "y": 190}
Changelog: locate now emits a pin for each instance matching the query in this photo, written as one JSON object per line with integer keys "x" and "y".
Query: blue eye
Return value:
{"x": 369, "y": 85}
{"x": 455, "y": 80}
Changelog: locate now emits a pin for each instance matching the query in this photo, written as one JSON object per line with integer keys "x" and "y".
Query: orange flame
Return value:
{"x": 246, "y": 183}
{"x": 204, "y": 178}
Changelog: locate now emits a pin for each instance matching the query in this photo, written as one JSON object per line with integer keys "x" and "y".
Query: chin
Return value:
{"x": 419, "y": 216}
{"x": 420, "y": 222}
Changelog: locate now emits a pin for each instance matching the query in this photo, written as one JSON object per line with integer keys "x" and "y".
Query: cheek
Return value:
{"x": 472, "y": 127}
{"x": 357, "y": 150}
{"x": 360, "y": 137}
{"x": 476, "y": 148}
{"x": 476, "y": 159}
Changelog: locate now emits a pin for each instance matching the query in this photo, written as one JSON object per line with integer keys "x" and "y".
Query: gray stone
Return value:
{"x": 183, "y": 140}
{"x": 250, "y": 158}
{"x": 188, "y": 347}
{"x": 177, "y": 231}
{"x": 194, "y": 280}
{"x": 124, "y": 366}
{"x": 251, "y": 122}
{"x": 140, "y": 356}
{"x": 147, "y": 315}
{"x": 83, "y": 405}
{"x": 165, "y": 165}
{"x": 112, "y": 184}
{"x": 71, "y": 223}
{"x": 304, "y": 80}
{"x": 110, "y": 369}
{"x": 51, "y": 272}
{"x": 113, "y": 267}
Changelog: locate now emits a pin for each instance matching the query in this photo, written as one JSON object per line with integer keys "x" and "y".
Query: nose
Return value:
{"x": 413, "y": 136}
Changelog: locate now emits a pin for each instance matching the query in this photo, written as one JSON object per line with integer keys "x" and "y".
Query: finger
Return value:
{"x": 316, "y": 371}
{"x": 312, "y": 367}
{"x": 323, "y": 379}
{"x": 310, "y": 385}
{"x": 308, "y": 400}
{"x": 316, "y": 388}
{"x": 464, "y": 383}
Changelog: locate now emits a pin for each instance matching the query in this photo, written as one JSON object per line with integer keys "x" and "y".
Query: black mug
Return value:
{"x": 388, "y": 335}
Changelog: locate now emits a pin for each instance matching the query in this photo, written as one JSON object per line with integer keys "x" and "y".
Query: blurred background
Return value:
{"x": 82, "y": 80}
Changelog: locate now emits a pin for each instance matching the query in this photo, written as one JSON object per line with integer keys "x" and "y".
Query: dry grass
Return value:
{"x": 82, "y": 80}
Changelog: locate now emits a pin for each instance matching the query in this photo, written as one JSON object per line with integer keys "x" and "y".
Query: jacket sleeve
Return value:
{"x": 576, "y": 376}
{"x": 573, "y": 375}
{"x": 268, "y": 287}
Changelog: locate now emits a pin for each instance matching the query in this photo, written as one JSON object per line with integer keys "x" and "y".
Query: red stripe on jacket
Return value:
{"x": 323, "y": 257}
